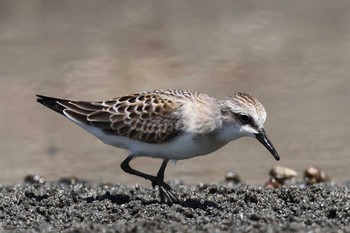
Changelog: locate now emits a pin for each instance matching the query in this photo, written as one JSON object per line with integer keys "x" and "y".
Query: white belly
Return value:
{"x": 182, "y": 147}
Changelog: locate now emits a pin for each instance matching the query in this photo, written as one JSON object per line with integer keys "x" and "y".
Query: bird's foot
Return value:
{"x": 166, "y": 193}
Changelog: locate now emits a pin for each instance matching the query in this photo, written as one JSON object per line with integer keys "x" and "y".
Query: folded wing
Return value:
{"x": 143, "y": 117}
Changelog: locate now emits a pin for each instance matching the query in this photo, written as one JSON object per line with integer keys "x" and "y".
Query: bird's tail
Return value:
{"x": 51, "y": 103}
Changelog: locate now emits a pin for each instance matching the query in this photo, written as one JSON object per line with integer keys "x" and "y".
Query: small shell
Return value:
{"x": 34, "y": 179}
{"x": 71, "y": 180}
{"x": 281, "y": 174}
{"x": 272, "y": 183}
{"x": 232, "y": 177}
{"x": 313, "y": 175}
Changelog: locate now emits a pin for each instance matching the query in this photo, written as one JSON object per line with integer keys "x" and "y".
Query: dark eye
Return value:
{"x": 245, "y": 119}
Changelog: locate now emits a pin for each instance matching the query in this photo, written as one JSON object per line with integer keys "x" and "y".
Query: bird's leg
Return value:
{"x": 126, "y": 167}
{"x": 165, "y": 190}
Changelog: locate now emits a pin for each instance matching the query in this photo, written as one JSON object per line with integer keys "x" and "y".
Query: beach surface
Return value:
{"x": 74, "y": 206}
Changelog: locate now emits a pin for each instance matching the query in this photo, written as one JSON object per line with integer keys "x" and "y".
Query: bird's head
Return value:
{"x": 246, "y": 115}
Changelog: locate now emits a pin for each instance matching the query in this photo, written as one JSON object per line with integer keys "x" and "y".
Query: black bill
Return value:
{"x": 262, "y": 137}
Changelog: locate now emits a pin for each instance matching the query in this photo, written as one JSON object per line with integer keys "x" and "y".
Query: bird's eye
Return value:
{"x": 245, "y": 119}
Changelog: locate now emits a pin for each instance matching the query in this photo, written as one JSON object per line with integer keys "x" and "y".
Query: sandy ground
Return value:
{"x": 292, "y": 55}
{"x": 82, "y": 207}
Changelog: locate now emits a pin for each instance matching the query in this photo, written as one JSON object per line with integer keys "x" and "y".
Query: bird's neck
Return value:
{"x": 228, "y": 132}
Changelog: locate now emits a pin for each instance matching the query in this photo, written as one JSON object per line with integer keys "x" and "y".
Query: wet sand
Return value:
{"x": 293, "y": 56}
{"x": 82, "y": 207}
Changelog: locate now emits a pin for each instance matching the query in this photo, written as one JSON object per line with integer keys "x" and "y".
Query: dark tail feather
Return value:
{"x": 51, "y": 103}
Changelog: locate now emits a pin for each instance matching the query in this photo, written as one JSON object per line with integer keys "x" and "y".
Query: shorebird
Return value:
{"x": 167, "y": 124}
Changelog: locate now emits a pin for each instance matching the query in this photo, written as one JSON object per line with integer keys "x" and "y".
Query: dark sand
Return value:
{"x": 82, "y": 207}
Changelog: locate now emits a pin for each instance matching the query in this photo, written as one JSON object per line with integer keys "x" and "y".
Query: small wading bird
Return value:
{"x": 167, "y": 124}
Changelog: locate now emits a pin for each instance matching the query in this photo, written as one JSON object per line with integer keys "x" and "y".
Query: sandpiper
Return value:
{"x": 167, "y": 124}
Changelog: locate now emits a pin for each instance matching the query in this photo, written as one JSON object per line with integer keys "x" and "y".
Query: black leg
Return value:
{"x": 160, "y": 177}
{"x": 161, "y": 171}
{"x": 126, "y": 167}
{"x": 165, "y": 191}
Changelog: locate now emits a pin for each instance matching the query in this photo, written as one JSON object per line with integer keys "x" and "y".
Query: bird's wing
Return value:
{"x": 145, "y": 117}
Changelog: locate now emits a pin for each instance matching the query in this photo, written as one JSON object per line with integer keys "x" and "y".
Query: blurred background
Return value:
{"x": 292, "y": 55}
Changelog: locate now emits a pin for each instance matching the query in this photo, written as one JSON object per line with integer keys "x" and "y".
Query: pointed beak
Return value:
{"x": 262, "y": 137}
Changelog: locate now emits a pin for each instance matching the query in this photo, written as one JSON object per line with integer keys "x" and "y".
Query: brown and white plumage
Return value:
{"x": 149, "y": 117}
{"x": 167, "y": 124}
{"x": 161, "y": 118}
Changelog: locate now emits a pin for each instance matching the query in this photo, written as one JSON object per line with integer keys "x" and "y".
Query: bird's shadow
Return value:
{"x": 117, "y": 198}
{"x": 123, "y": 199}
{"x": 199, "y": 204}
{"x": 188, "y": 203}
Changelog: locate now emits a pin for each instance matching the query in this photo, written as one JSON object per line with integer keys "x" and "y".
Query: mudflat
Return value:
{"x": 66, "y": 206}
